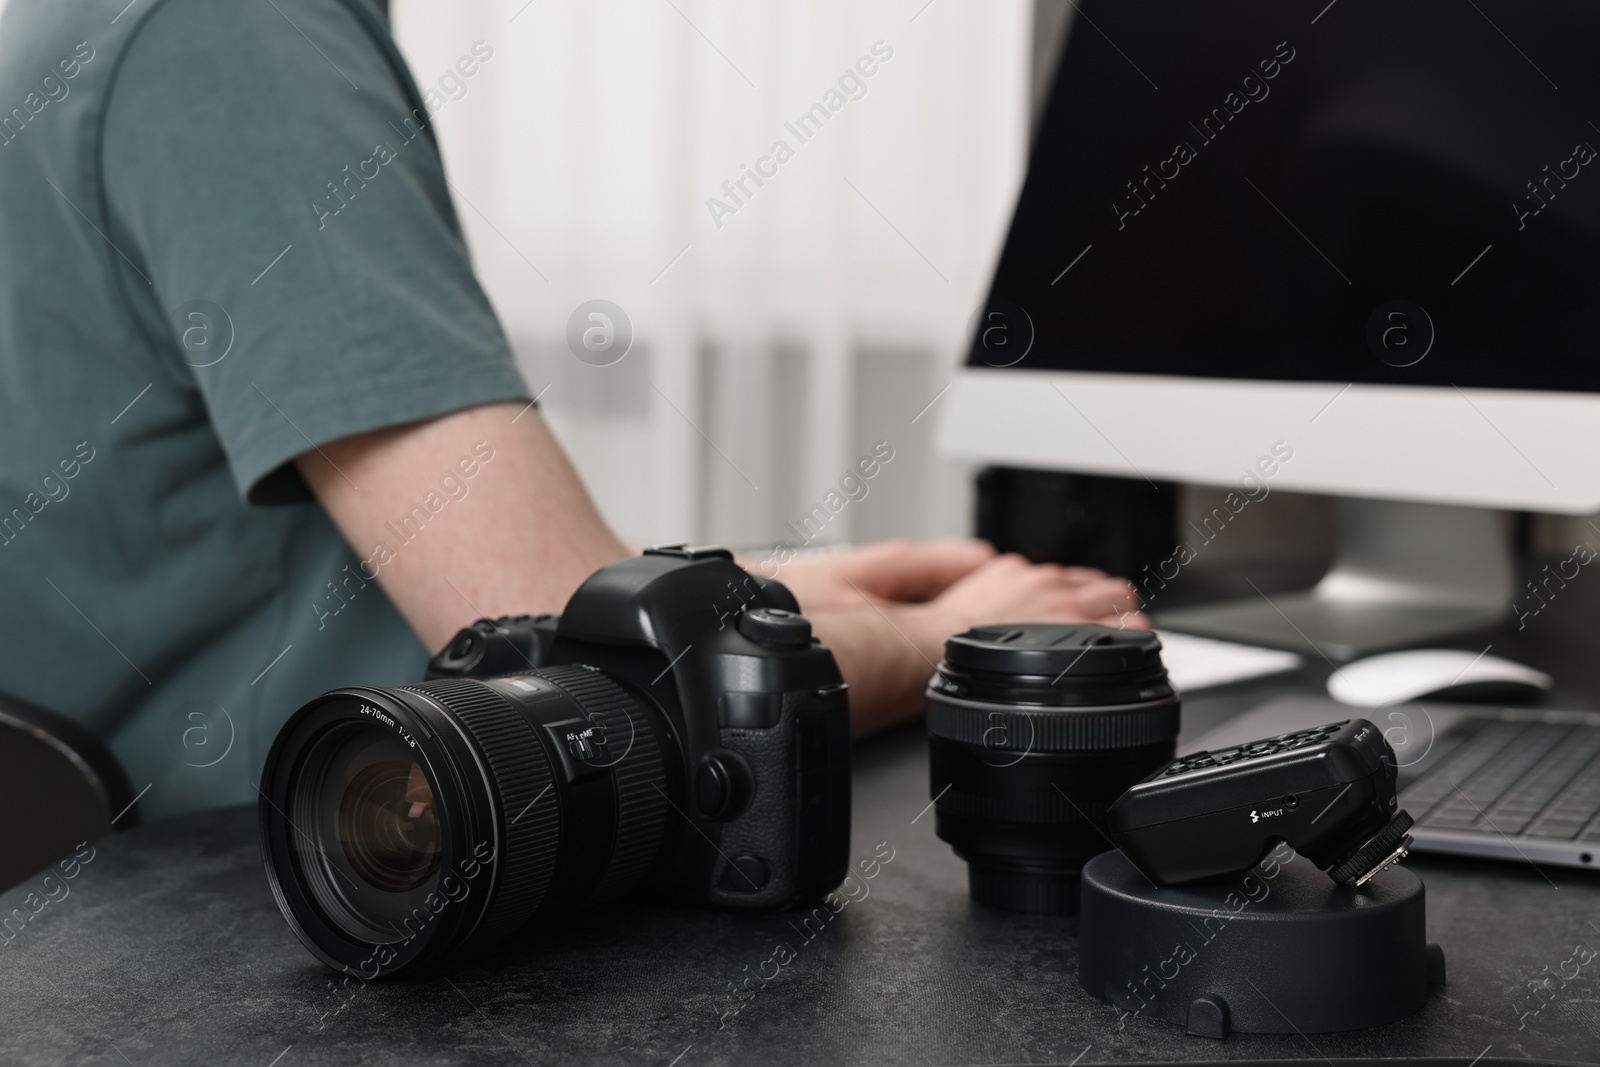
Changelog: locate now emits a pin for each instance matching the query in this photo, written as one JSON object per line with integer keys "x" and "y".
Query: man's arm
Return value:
{"x": 526, "y": 534}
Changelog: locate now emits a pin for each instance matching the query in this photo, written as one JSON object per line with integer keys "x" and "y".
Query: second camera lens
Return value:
{"x": 1033, "y": 731}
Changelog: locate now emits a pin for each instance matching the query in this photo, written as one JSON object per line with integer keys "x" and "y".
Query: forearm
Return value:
{"x": 517, "y": 535}
{"x": 886, "y": 655}
{"x": 480, "y": 513}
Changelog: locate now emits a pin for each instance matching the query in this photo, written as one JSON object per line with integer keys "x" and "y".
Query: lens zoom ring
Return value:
{"x": 1003, "y": 727}
{"x": 522, "y": 774}
{"x": 639, "y": 774}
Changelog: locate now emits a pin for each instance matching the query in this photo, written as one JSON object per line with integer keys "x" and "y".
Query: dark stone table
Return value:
{"x": 167, "y": 949}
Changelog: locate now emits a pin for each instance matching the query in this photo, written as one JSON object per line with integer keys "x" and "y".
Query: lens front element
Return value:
{"x": 388, "y": 827}
{"x": 364, "y": 829}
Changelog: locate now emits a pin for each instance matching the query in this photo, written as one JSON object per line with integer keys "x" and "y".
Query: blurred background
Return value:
{"x": 773, "y": 345}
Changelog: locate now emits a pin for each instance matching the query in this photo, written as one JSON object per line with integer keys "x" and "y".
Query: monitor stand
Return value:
{"x": 1404, "y": 574}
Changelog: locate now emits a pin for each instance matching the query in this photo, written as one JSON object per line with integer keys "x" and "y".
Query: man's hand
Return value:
{"x": 886, "y": 572}
{"x": 1010, "y": 589}
{"x": 887, "y": 652}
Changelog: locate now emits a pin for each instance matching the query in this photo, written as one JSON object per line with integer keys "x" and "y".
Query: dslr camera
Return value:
{"x": 647, "y": 738}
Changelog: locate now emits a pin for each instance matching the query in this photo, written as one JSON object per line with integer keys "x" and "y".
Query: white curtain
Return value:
{"x": 781, "y": 334}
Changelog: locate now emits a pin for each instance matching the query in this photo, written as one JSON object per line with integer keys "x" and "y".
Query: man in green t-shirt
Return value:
{"x": 260, "y": 432}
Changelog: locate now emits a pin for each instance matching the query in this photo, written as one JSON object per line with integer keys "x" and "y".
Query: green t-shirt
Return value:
{"x": 225, "y": 238}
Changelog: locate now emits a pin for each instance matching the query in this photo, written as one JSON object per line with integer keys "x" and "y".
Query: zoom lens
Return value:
{"x": 403, "y": 824}
{"x": 1033, "y": 731}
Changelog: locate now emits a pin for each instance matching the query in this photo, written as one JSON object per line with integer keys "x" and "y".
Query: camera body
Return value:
{"x": 753, "y": 714}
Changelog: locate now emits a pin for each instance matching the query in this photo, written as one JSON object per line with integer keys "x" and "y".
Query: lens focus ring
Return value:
{"x": 1051, "y": 729}
{"x": 521, "y": 772}
{"x": 639, "y": 773}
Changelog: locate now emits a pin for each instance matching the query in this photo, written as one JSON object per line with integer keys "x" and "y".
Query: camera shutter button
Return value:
{"x": 776, "y": 628}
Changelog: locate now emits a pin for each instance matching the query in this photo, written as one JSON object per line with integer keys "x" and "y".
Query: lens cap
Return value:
{"x": 1054, "y": 649}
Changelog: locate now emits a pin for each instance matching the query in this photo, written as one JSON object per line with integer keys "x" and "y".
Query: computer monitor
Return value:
{"x": 1349, "y": 248}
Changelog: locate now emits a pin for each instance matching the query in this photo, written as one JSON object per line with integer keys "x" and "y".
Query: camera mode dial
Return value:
{"x": 776, "y": 628}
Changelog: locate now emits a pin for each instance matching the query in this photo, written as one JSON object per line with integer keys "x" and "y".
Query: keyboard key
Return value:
{"x": 1539, "y": 779}
{"x": 1462, "y": 763}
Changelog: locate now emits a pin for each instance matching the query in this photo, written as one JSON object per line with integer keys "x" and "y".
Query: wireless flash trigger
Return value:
{"x": 1329, "y": 792}
{"x": 1236, "y": 868}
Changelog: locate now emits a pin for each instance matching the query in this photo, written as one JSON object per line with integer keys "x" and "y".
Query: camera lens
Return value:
{"x": 405, "y": 823}
{"x": 1033, "y": 731}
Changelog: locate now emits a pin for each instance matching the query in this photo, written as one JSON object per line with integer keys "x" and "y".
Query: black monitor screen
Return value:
{"x": 1361, "y": 191}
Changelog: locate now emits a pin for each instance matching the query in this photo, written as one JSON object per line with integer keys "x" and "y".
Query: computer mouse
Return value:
{"x": 1434, "y": 674}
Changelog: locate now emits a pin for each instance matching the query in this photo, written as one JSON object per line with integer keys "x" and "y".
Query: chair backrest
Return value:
{"x": 59, "y": 786}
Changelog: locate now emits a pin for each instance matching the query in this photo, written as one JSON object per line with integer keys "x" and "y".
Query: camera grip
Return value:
{"x": 792, "y": 842}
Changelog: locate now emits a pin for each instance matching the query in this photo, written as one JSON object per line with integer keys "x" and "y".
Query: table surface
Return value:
{"x": 168, "y": 949}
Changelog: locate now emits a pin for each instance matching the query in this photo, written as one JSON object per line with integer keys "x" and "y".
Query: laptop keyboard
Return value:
{"x": 1535, "y": 778}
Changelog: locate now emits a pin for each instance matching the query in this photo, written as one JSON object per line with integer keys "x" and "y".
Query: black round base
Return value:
{"x": 1277, "y": 950}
